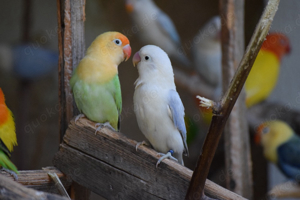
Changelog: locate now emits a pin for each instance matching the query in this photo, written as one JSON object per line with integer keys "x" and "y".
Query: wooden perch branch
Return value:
{"x": 224, "y": 107}
{"x": 39, "y": 179}
{"x": 11, "y": 190}
{"x": 108, "y": 164}
{"x": 286, "y": 190}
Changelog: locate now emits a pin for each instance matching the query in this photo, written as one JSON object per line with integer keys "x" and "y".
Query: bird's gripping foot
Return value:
{"x": 12, "y": 173}
{"x": 141, "y": 143}
{"x": 101, "y": 125}
{"x": 78, "y": 117}
{"x": 164, "y": 156}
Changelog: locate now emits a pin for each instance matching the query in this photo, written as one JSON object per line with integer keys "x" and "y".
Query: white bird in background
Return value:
{"x": 157, "y": 105}
{"x": 153, "y": 26}
{"x": 207, "y": 53}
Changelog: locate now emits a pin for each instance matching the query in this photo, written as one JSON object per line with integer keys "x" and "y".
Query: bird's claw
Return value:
{"x": 141, "y": 143}
{"x": 101, "y": 125}
{"x": 164, "y": 156}
{"x": 78, "y": 117}
{"x": 12, "y": 173}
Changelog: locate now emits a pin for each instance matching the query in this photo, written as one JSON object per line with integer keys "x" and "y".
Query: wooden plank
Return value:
{"x": 237, "y": 143}
{"x": 39, "y": 179}
{"x": 11, "y": 190}
{"x": 108, "y": 164}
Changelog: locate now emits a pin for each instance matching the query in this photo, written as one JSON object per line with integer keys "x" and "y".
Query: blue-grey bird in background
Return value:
{"x": 28, "y": 61}
{"x": 157, "y": 105}
{"x": 207, "y": 54}
{"x": 153, "y": 26}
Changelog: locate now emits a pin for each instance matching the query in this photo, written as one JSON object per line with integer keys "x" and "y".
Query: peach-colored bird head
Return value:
{"x": 112, "y": 45}
{"x": 277, "y": 43}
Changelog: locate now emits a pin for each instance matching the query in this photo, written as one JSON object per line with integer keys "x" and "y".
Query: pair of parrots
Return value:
{"x": 157, "y": 105}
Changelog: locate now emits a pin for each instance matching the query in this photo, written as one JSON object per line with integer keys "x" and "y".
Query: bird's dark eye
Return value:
{"x": 146, "y": 57}
{"x": 118, "y": 42}
{"x": 265, "y": 130}
{"x": 282, "y": 42}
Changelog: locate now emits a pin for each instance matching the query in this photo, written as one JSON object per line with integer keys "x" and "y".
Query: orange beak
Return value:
{"x": 129, "y": 7}
{"x": 127, "y": 52}
{"x": 257, "y": 137}
{"x": 136, "y": 59}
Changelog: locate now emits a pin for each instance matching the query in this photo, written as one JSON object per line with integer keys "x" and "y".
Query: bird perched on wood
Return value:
{"x": 157, "y": 105}
{"x": 27, "y": 61}
{"x": 207, "y": 54}
{"x": 281, "y": 146}
{"x": 153, "y": 26}
{"x": 95, "y": 82}
{"x": 264, "y": 73}
{"x": 8, "y": 138}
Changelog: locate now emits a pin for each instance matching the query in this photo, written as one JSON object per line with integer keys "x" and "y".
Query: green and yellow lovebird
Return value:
{"x": 95, "y": 82}
{"x": 8, "y": 138}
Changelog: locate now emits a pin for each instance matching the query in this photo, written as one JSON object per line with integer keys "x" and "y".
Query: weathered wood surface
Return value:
{"x": 108, "y": 164}
{"x": 11, "y": 190}
{"x": 39, "y": 179}
{"x": 236, "y": 133}
{"x": 286, "y": 190}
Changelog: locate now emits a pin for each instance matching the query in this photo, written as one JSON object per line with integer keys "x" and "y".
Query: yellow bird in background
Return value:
{"x": 264, "y": 73}
{"x": 8, "y": 138}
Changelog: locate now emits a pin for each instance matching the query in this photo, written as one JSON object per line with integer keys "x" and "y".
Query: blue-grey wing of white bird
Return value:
{"x": 177, "y": 116}
{"x": 167, "y": 26}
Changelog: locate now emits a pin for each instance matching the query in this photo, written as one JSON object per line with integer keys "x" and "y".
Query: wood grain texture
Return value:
{"x": 236, "y": 132}
{"x": 11, "y": 190}
{"x": 108, "y": 164}
{"x": 39, "y": 179}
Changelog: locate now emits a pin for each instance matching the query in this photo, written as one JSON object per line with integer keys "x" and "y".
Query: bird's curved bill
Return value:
{"x": 257, "y": 137}
{"x": 129, "y": 7}
{"x": 136, "y": 59}
{"x": 127, "y": 52}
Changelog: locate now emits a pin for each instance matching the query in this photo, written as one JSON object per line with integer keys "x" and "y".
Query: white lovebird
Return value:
{"x": 157, "y": 105}
{"x": 207, "y": 54}
{"x": 153, "y": 26}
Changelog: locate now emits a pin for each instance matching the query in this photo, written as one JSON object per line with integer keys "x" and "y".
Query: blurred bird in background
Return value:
{"x": 8, "y": 138}
{"x": 264, "y": 73}
{"x": 207, "y": 58}
{"x": 281, "y": 146}
{"x": 28, "y": 62}
{"x": 153, "y": 26}
{"x": 207, "y": 54}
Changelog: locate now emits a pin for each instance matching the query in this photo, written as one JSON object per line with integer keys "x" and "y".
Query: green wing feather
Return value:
{"x": 6, "y": 163}
{"x": 99, "y": 102}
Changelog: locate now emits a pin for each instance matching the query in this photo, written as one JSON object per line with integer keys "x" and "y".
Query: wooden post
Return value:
{"x": 71, "y": 17}
{"x": 237, "y": 146}
{"x": 223, "y": 108}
